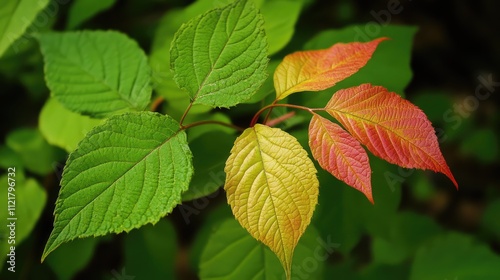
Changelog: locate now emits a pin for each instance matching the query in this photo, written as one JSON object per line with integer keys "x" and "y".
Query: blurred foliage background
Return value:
{"x": 443, "y": 56}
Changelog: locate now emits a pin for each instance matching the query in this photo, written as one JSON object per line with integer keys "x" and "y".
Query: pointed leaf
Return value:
{"x": 97, "y": 73}
{"x": 126, "y": 173}
{"x": 340, "y": 154}
{"x": 272, "y": 188}
{"x": 391, "y": 127}
{"x": 220, "y": 57}
{"x": 321, "y": 69}
{"x": 15, "y": 17}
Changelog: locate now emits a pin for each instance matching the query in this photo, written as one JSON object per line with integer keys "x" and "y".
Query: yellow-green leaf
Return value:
{"x": 272, "y": 188}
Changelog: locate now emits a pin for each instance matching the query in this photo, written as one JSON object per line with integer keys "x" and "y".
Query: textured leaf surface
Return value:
{"x": 391, "y": 127}
{"x": 126, "y": 173}
{"x": 272, "y": 188}
{"x": 62, "y": 127}
{"x": 321, "y": 69}
{"x": 96, "y": 73}
{"x": 15, "y": 17}
{"x": 231, "y": 253}
{"x": 220, "y": 57}
{"x": 340, "y": 154}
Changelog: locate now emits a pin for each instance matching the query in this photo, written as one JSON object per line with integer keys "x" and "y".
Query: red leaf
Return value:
{"x": 340, "y": 154}
{"x": 391, "y": 127}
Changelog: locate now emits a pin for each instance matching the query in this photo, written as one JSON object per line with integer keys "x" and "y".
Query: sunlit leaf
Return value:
{"x": 389, "y": 126}
{"x": 97, "y": 73}
{"x": 340, "y": 154}
{"x": 220, "y": 57}
{"x": 272, "y": 188}
{"x": 126, "y": 173}
{"x": 320, "y": 69}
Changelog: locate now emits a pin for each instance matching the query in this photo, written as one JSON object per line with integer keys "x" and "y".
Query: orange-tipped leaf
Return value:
{"x": 391, "y": 127}
{"x": 320, "y": 69}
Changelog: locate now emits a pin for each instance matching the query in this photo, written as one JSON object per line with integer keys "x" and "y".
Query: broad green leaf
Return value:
{"x": 36, "y": 154}
{"x": 340, "y": 154}
{"x": 455, "y": 256}
{"x": 320, "y": 69}
{"x": 82, "y": 10}
{"x": 220, "y": 57}
{"x": 391, "y": 127}
{"x": 15, "y": 17}
{"x": 231, "y": 253}
{"x": 126, "y": 173}
{"x": 30, "y": 200}
{"x": 9, "y": 158}
{"x": 272, "y": 188}
{"x": 62, "y": 127}
{"x": 150, "y": 251}
{"x": 66, "y": 267}
{"x": 210, "y": 152}
{"x": 96, "y": 73}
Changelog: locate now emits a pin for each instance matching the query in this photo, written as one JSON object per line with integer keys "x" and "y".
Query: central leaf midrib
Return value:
{"x": 118, "y": 178}
{"x": 212, "y": 67}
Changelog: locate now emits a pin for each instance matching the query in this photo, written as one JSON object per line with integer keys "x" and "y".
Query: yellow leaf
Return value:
{"x": 272, "y": 188}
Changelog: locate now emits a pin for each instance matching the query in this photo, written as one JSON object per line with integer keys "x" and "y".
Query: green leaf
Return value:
{"x": 82, "y": 10}
{"x": 65, "y": 267}
{"x": 36, "y": 154}
{"x": 490, "y": 221}
{"x": 220, "y": 57}
{"x": 455, "y": 256}
{"x": 126, "y": 173}
{"x": 30, "y": 199}
{"x": 272, "y": 188}
{"x": 231, "y": 253}
{"x": 15, "y": 17}
{"x": 482, "y": 144}
{"x": 150, "y": 251}
{"x": 62, "y": 127}
{"x": 96, "y": 73}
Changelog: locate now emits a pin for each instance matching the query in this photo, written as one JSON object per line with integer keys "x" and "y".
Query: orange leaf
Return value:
{"x": 340, "y": 154}
{"x": 391, "y": 127}
{"x": 321, "y": 69}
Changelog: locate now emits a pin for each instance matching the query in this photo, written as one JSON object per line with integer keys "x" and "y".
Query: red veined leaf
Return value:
{"x": 340, "y": 154}
{"x": 391, "y": 127}
{"x": 321, "y": 69}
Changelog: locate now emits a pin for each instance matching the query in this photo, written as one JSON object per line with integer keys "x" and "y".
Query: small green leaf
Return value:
{"x": 96, "y": 73}
{"x": 36, "y": 154}
{"x": 62, "y": 127}
{"x": 15, "y": 17}
{"x": 231, "y": 253}
{"x": 126, "y": 173}
{"x": 220, "y": 57}
{"x": 272, "y": 188}
{"x": 30, "y": 200}
{"x": 82, "y": 10}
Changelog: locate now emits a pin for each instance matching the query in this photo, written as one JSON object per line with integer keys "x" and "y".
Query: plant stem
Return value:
{"x": 235, "y": 127}
{"x": 156, "y": 103}
{"x": 186, "y": 112}
{"x": 256, "y": 116}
